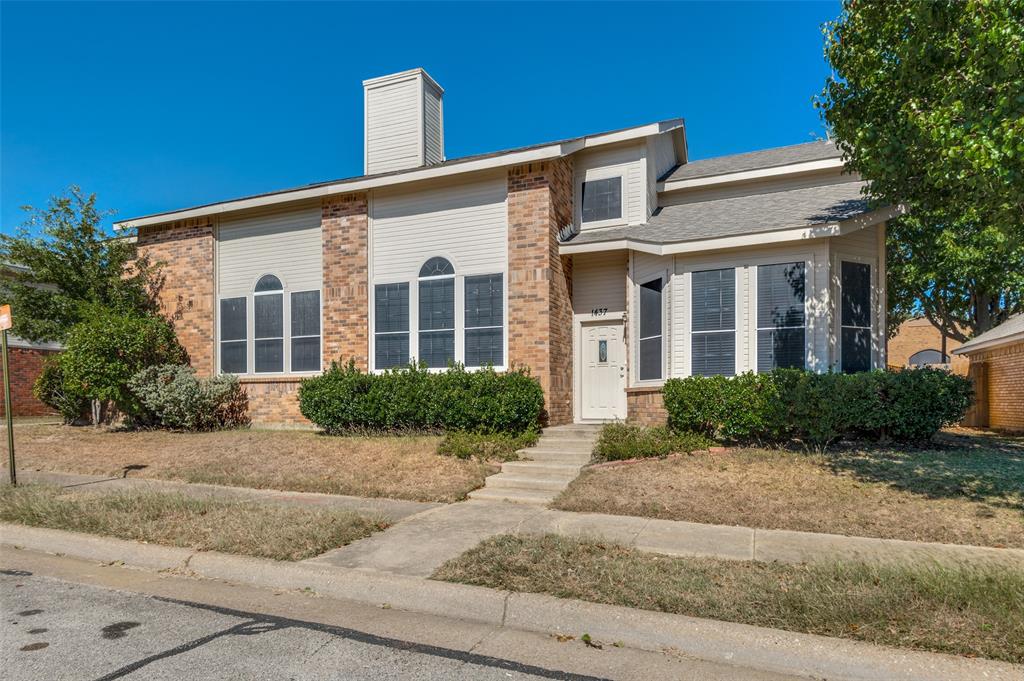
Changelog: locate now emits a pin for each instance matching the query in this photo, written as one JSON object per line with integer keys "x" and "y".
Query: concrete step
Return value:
{"x": 516, "y": 496}
{"x": 556, "y": 457}
{"x": 572, "y": 435}
{"x": 557, "y": 446}
{"x": 548, "y": 449}
{"x": 552, "y": 468}
{"x": 527, "y": 482}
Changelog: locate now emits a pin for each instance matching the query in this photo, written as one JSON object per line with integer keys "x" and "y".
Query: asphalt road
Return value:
{"x": 69, "y": 619}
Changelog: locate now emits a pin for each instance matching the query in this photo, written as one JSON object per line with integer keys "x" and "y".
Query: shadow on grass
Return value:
{"x": 981, "y": 468}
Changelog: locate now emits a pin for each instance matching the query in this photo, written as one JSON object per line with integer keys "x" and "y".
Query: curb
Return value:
{"x": 723, "y": 642}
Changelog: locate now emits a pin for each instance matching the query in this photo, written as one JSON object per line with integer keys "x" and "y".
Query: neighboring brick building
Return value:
{"x": 997, "y": 369}
{"x": 919, "y": 343}
{"x": 26, "y": 363}
{"x": 605, "y": 263}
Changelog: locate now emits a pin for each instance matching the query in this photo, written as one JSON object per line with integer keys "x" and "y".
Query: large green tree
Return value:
{"x": 927, "y": 102}
{"x": 68, "y": 266}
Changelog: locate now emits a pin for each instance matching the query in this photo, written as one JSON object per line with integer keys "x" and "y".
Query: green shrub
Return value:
{"x": 103, "y": 353}
{"x": 618, "y": 441}
{"x": 51, "y": 389}
{"x": 486, "y": 446}
{"x": 907, "y": 406}
{"x": 344, "y": 399}
{"x": 176, "y": 399}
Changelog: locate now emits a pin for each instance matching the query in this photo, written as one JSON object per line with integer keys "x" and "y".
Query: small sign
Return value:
{"x": 5, "y": 317}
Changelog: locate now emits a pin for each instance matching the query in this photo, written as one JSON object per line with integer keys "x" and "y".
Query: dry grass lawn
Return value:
{"x": 967, "y": 490}
{"x": 263, "y": 530}
{"x": 962, "y": 610}
{"x": 398, "y": 467}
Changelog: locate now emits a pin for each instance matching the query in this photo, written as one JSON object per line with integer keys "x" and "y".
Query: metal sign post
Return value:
{"x": 5, "y": 323}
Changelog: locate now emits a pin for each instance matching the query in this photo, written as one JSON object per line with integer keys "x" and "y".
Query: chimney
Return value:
{"x": 404, "y": 122}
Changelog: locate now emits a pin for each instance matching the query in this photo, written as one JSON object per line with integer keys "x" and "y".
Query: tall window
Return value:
{"x": 391, "y": 325}
{"x": 601, "y": 200}
{"x": 268, "y": 327}
{"x": 484, "y": 318}
{"x": 650, "y": 330}
{"x": 437, "y": 313}
{"x": 781, "y": 323}
{"x": 713, "y": 326}
{"x": 285, "y": 328}
{"x": 855, "y": 317}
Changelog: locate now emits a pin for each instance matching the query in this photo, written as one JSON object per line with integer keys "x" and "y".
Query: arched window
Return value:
{"x": 268, "y": 327}
{"x": 437, "y": 313}
{"x": 924, "y": 357}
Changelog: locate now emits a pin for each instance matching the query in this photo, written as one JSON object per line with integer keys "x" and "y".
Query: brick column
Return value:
{"x": 345, "y": 226}
{"x": 185, "y": 248}
{"x": 540, "y": 280}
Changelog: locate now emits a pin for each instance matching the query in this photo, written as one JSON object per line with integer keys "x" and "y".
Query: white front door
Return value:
{"x": 603, "y": 390}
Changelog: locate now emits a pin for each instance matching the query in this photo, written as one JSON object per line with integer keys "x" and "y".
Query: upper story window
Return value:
{"x": 713, "y": 322}
{"x": 601, "y": 200}
{"x": 781, "y": 321}
{"x": 283, "y": 330}
{"x": 855, "y": 317}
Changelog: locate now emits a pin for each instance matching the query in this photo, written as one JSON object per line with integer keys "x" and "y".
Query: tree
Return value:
{"x": 927, "y": 104}
{"x": 71, "y": 268}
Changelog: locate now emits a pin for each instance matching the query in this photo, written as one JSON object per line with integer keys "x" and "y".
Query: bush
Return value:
{"x": 51, "y": 389}
{"x": 618, "y": 441}
{"x": 103, "y": 353}
{"x": 343, "y": 399}
{"x": 175, "y": 398}
{"x": 486, "y": 446}
{"x": 906, "y": 406}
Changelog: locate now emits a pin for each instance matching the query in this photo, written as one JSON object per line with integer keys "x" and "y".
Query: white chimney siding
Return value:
{"x": 404, "y": 122}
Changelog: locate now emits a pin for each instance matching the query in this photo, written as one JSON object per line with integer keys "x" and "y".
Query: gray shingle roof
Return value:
{"x": 749, "y": 214}
{"x": 1012, "y": 327}
{"x": 755, "y": 160}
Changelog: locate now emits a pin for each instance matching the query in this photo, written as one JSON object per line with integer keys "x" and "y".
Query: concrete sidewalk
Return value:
{"x": 736, "y": 644}
{"x": 391, "y": 509}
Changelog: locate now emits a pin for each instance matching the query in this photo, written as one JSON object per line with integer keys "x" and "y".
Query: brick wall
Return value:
{"x": 345, "y": 290}
{"x": 274, "y": 400}
{"x": 540, "y": 280}
{"x": 646, "y": 406}
{"x": 187, "y": 298}
{"x": 1001, "y": 387}
{"x": 25, "y": 364}
{"x": 915, "y": 335}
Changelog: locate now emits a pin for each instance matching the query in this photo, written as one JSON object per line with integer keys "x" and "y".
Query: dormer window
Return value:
{"x": 601, "y": 199}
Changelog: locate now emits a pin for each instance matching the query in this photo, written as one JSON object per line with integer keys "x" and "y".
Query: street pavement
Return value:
{"x": 69, "y": 619}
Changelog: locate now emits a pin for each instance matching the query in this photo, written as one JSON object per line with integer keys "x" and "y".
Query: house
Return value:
{"x": 919, "y": 343}
{"x": 997, "y": 370}
{"x": 605, "y": 263}
{"x": 25, "y": 361}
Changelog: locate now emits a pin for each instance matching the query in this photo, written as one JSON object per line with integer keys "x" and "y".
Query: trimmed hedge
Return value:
{"x": 486, "y": 446}
{"x": 344, "y": 399}
{"x": 619, "y": 441}
{"x": 785, "y": 404}
{"x": 176, "y": 399}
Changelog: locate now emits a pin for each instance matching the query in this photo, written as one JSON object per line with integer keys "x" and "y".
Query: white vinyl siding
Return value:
{"x": 626, "y": 162}
{"x": 433, "y": 132}
{"x": 599, "y": 282}
{"x": 393, "y": 130}
{"x": 284, "y": 242}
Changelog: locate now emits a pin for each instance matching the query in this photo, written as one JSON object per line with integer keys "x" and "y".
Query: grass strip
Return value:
{"x": 252, "y": 529}
{"x": 963, "y": 610}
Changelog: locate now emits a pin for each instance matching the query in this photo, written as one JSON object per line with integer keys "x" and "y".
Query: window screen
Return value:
{"x": 233, "y": 358}
{"x": 268, "y": 332}
{"x": 781, "y": 324}
{"x": 437, "y": 322}
{"x": 855, "y": 332}
{"x": 650, "y": 330}
{"x": 713, "y": 322}
{"x": 484, "y": 315}
{"x": 391, "y": 325}
{"x": 305, "y": 331}
{"x": 602, "y": 199}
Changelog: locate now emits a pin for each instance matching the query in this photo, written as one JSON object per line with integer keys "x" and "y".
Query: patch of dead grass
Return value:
{"x": 397, "y": 467}
{"x": 262, "y": 530}
{"x": 958, "y": 496}
{"x": 963, "y": 610}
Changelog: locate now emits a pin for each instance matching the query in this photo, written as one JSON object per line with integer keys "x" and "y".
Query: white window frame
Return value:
{"x": 665, "y": 336}
{"x": 755, "y": 293}
{"x": 372, "y": 362}
{"x": 250, "y": 329}
{"x": 737, "y": 313}
{"x": 455, "y": 312}
{"x": 504, "y": 318}
{"x": 602, "y": 173}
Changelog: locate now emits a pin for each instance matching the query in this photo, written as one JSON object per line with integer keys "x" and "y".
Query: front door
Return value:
{"x": 603, "y": 390}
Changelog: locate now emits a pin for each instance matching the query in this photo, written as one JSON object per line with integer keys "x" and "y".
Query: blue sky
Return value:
{"x": 162, "y": 106}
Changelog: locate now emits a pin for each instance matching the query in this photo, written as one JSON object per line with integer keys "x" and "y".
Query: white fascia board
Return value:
{"x": 970, "y": 348}
{"x": 825, "y": 230}
{"x": 747, "y": 175}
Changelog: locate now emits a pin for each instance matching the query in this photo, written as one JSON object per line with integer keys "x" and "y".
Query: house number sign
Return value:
{"x": 599, "y": 311}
